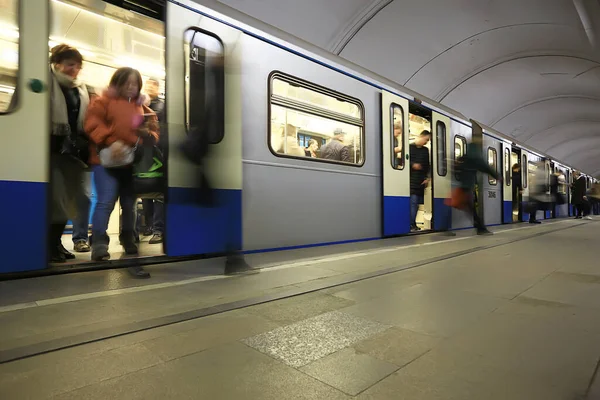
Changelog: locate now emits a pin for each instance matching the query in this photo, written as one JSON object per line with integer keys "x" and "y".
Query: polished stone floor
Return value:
{"x": 514, "y": 316}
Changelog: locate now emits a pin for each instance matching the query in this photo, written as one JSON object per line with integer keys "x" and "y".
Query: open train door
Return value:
{"x": 396, "y": 171}
{"x": 442, "y": 179}
{"x": 202, "y": 84}
{"x": 507, "y": 195}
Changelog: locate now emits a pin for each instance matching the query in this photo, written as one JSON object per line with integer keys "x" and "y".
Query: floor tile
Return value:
{"x": 297, "y": 308}
{"x": 428, "y": 310}
{"x": 301, "y": 343}
{"x": 397, "y": 346}
{"x": 349, "y": 371}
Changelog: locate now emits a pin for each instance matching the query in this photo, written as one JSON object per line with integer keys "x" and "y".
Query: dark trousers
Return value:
{"x": 415, "y": 201}
{"x": 154, "y": 215}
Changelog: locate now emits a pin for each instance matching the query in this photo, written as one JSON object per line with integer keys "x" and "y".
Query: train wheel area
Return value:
{"x": 46, "y": 314}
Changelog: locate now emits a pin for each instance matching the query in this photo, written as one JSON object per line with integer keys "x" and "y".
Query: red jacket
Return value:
{"x": 110, "y": 118}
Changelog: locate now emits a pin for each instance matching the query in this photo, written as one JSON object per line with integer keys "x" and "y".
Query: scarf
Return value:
{"x": 58, "y": 104}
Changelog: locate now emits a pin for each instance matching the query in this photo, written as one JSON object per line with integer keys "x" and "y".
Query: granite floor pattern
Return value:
{"x": 514, "y": 322}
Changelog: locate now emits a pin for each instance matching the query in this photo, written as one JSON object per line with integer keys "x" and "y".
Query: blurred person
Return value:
{"x": 578, "y": 194}
{"x": 195, "y": 149}
{"x": 69, "y": 151}
{"x": 397, "y": 160}
{"x": 537, "y": 194}
{"x": 467, "y": 168}
{"x": 420, "y": 170}
{"x": 118, "y": 121}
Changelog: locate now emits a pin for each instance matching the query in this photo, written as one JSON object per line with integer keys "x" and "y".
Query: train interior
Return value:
{"x": 110, "y": 37}
{"x": 302, "y": 134}
{"x": 419, "y": 119}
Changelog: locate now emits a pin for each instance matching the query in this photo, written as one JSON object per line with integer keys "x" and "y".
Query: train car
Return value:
{"x": 313, "y": 149}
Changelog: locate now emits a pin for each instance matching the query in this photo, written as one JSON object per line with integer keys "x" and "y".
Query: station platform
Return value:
{"x": 509, "y": 316}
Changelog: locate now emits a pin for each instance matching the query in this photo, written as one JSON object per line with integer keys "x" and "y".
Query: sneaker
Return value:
{"x": 157, "y": 238}
{"x": 588, "y": 218}
{"x": 147, "y": 232}
{"x": 67, "y": 253}
{"x": 138, "y": 272}
{"x": 484, "y": 232}
{"x": 81, "y": 246}
{"x": 535, "y": 222}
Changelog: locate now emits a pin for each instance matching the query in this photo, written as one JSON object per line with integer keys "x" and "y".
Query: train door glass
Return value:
{"x": 109, "y": 37}
{"x": 9, "y": 48}
{"x": 419, "y": 120}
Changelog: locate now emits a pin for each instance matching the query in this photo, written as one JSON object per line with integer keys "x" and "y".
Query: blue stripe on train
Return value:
{"x": 508, "y": 212}
{"x": 442, "y": 215}
{"x": 23, "y": 226}
{"x": 396, "y": 215}
{"x": 194, "y": 230}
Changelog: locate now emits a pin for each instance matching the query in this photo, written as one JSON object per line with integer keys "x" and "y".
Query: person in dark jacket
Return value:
{"x": 467, "y": 168}
{"x": 154, "y": 210}
{"x": 578, "y": 198}
{"x": 419, "y": 175}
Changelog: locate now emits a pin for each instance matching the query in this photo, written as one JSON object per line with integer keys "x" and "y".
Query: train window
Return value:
{"x": 507, "y": 167}
{"x": 397, "y": 129}
{"x": 524, "y": 171}
{"x": 440, "y": 142}
{"x": 334, "y": 122}
{"x": 460, "y": 148}
{"x": 493, "y": 162}
{"x": 9, "y": 59}
{"x": 205, "y": 83}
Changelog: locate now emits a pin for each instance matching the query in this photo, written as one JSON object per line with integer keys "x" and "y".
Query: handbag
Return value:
{"x": 459, "y": 199}
{"x": 108, "y": 159}
{"x": 149, "y": 172}
{"x": 76, "y": 146}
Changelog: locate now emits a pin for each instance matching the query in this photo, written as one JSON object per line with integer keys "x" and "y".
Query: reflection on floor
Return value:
{"x": 115, "y": 249}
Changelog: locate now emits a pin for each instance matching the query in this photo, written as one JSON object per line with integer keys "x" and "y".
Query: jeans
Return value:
{"x": 81, "y": 221}
{"x": 154, "y": 214}
{"x": 415, "y": 201}
{"x": 112, "y": 184}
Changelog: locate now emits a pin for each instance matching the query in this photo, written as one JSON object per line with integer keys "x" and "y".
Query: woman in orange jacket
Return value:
{"x": 116, "y": 122}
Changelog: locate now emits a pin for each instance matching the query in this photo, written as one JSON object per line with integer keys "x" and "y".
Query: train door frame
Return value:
{"x": 441, "y": 182}
{"x": 506, "y": 184}
{"x": 395, "y": 177}
{"x": 517, "y": 150}
{"x": 25, "y": 180}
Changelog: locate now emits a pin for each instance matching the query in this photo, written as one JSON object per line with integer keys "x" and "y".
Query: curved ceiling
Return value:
{"x": 525, "y": 68}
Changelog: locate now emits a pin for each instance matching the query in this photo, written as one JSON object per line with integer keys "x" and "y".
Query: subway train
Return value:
{"x": 281, "y": 100}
